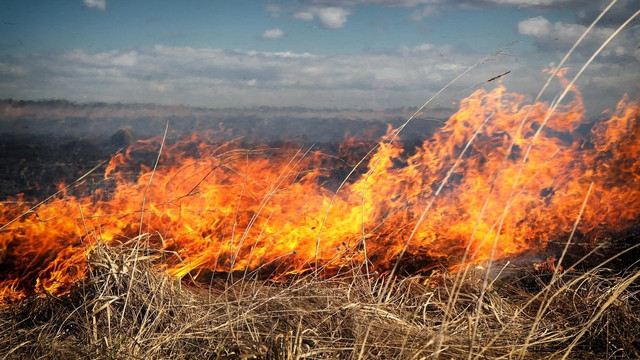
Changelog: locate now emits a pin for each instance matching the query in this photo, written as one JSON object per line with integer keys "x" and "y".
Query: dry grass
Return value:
{"x": 592, "y": 314}
{"x": 128, "y": 308}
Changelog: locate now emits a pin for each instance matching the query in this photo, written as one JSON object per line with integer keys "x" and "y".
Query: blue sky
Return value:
{"x": 369, "y": 54}
{"x": 53, "y": 26}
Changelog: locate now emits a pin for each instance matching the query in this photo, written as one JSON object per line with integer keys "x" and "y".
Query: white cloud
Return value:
{"x": 329, "y": 17}
{"x": 389, "y": 3}
{"x": 451, "y": 3}
{"x": 332, "y": 17}
{"x": 561, "y": 36}
{"x": 428, "y": 8}
{"x": 104, "y": 59}
{"x": 159, "y": 86}
{"x": 272, "y": 34}
{"x": 228, "y": 78}
{"x": 304, "y": 15}
{"x": 537, "y": 26}
{"x": 422, "y": 9}
{"x": 12, "y": 70}
{"x": 98, "y": 4}
{"x": 424, "y": 48}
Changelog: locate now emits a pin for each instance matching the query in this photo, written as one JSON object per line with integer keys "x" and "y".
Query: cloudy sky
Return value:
{"x": 363, "y": 54}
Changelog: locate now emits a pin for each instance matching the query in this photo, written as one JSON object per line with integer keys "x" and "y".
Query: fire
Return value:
{"x": 549, "y": 265}
{"x": 483, "y": 178}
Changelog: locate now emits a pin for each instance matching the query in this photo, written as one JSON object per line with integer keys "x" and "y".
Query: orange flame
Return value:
{"x": 549, "y": 265}
{"x": 216, "y": 207}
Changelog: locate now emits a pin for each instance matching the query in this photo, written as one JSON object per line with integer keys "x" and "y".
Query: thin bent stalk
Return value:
{"x": 544, "y": 305}
{"x": 537, "y": 134}
{"x": 144, "y": 198}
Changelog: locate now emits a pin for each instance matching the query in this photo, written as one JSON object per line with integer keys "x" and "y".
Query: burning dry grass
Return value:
{"x": 129, "y": 309}
{"x": 123, "y": 305}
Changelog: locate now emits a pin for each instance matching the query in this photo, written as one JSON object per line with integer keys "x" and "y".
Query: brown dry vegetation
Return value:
{"x": 127, "y": 308}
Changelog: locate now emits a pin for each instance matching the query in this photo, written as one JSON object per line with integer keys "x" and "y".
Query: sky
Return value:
{"x": 357, "y": 54}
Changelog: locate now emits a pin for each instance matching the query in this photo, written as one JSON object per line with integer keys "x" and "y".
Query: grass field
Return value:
{"x": 119, "y": 314}
{"x": 136, "y": 296}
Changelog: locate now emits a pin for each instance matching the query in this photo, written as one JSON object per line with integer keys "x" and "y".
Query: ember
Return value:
{"x": 215, "y": 207}
{"x": 548, "y": 265}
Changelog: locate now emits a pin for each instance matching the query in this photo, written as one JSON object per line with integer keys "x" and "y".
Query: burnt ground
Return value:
{"x": 36, "y": 154}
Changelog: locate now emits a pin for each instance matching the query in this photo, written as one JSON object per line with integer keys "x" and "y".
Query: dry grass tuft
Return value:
{"x": 591, "y": 314}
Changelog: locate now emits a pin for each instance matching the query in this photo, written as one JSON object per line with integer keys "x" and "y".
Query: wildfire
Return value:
{"x": 483, "y": 178}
